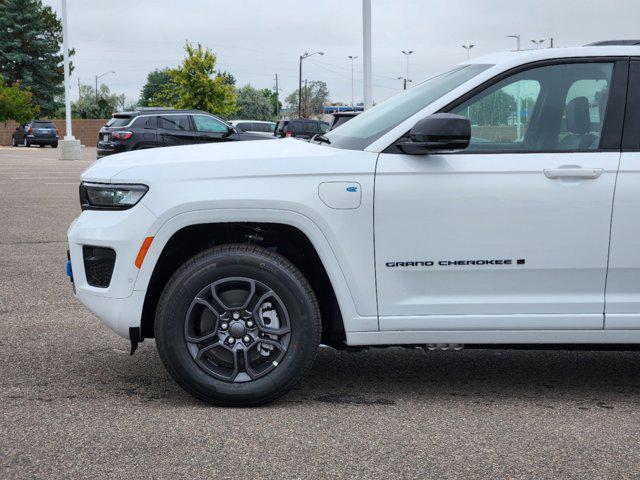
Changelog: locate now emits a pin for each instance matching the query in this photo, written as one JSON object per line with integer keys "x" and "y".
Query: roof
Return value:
{"x": 525, "y": 56}
{"x": 153, "y": 111}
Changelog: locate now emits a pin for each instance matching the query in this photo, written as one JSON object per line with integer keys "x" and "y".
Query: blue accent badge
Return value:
{"x": 352, "y": 189}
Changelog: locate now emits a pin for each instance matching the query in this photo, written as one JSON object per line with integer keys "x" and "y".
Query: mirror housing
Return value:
{"x": 440, "y": 132}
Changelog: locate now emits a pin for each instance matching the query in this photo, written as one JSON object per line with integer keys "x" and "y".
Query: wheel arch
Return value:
{"x": 306, "y": 251}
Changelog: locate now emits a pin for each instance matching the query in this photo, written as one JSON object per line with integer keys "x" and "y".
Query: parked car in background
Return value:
{"x": 150, "y": 128}
{"x": 36, "y": 132}
{"x": 340, "y": 118}
{"x": 255, "y": 126}
{"x": 305, "y": 129}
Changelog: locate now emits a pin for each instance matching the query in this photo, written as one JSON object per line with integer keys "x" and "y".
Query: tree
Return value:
{"x": 273, "y": 99}
{"x": 86, "y": 106}
{"x": 254, "y": 104}
{"x": 157, "y": 80}
{"x": 16, "y": 103}
{"x": 494, "y": 109}
{"x": 195, "y": 85}
{"x": 30, "y": 50}
{"x": 314, "y": 97}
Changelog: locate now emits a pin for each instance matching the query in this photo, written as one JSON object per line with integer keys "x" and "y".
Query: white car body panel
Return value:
{"x": 425, "y": 208}
{"x": 492, "y": 206}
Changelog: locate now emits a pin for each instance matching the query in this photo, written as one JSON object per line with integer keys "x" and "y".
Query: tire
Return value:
{"x": 41, "y": 145}
{"x": 54, "y": 145}
{"x": 257, "y": 287}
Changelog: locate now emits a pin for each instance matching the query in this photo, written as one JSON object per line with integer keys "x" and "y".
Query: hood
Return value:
{"x": 212, "y": 160}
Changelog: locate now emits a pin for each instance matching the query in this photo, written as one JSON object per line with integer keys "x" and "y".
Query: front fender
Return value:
{"x": 352, "y": 321}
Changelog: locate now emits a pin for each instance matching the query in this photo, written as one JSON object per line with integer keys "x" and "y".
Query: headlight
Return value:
{"x": 106, "y": 196}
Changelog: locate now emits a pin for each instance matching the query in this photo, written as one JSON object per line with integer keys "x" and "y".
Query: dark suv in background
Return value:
{"x": 300, "y": 128}
{"x": 152, "y": 128}
{"x": 36, "y": 132}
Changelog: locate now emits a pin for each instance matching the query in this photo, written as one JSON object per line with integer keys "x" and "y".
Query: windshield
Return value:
{"x": 367, "y": 127}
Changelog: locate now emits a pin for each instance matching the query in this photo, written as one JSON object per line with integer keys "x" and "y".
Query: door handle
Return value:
{"x": 587, "y": 173}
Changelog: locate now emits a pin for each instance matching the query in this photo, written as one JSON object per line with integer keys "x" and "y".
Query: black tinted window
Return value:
{"x": 174, "y": 122}
{"x": 246, "y": 126}
{"x": 295, "y": 126}
{"x": 311, "y": 127}
{"x": 118, "y": 121}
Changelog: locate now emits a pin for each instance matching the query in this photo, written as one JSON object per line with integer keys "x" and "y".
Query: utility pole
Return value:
{"x": 302, "y": 57}
{"x": 353, "y": 105}
{"x": 367, "y": 81}
{"x": 407, "y": 53}
{"x": 551, "y": 42}
{"x": 468, "y": 49}
{"x": 79, "y": 89}
{"x": 405, "y": 80}
{"x": 277, "y": 98}
{"x": 517, "y": 37}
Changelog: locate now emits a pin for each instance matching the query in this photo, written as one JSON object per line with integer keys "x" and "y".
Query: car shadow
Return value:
{"x": 386, "y": 377}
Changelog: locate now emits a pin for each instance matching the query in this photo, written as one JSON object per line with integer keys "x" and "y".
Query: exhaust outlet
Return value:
{"x": 443, "y": 347}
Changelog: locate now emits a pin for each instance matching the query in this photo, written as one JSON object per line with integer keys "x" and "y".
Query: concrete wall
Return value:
{"x": 84, "y": 129}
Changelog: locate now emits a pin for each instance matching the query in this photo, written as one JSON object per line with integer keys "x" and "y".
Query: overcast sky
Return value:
{"x": 255, "y": 39}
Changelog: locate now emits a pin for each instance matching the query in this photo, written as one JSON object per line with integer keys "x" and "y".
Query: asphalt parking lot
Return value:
{"x": 75, "y": 405}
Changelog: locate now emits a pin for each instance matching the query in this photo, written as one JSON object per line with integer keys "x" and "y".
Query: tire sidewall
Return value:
{"x": 189, "y": 281}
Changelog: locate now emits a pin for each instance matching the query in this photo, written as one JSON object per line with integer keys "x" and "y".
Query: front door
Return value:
{"x": 512, "y": 233}
{"x": 210, "y": 129}
{"x": 176, "y": 129}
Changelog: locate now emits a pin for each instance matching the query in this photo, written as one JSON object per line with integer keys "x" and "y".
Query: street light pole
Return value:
{"x": 407, "y": 53}
{"x": 352, "y": 58}
{"x": 537, "y": 43}
{"x": 468, "y": 49}
{"x": 100, "y": 76}
{"x": 517, "y": 37}
{"x": 69, "y": 146}
{"x": 302, "y": 57}
{"x": 367, "y": 82}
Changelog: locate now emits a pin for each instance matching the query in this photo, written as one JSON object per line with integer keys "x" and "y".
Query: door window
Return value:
{"x": 205, "y": 123}
{"x": 551, "y": 108}
{"x": 174, "y": 122}
{"x": 310, "y": 127}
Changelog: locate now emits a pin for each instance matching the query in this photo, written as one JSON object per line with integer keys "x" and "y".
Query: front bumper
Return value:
{"x": 119, "y": 305}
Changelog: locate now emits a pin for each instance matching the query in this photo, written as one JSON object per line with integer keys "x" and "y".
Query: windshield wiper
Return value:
{"x": 321, "y": 138}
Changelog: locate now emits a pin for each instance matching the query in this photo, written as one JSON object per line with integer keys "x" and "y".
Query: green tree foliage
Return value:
{"x": 87, "y": 107}
{"x": 255, "y": 104}
{"x": 157, "y": 80}
{"x": 314, "y": 98}
{"x": 30, "y": 50}
{"x": 16, "y": 103}
{"x": 195, "y": 84}
{"x": 494, "y": 109}
{"x": 273, "y": 98}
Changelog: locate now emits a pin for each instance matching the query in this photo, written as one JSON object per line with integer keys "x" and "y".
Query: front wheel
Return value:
{"x": 237, "y": 325}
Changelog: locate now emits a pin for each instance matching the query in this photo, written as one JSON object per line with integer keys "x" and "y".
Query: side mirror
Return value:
{"x": 440, "y": 132}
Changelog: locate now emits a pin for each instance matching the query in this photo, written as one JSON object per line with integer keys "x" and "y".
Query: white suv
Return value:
{"x": 496, "y": 203}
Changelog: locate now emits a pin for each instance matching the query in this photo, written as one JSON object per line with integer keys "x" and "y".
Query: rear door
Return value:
{"x": 176, "y": 129}
{"x": 210, "y": 129}
{"x": 623, "y": 279}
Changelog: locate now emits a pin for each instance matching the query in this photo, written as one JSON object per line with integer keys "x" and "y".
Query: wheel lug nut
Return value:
{"x": 236, "y": 315}
{"x": 250, "y": 323}
{"x": 246, "y": 339}
{"x": 231, "y": 340}
{"x": 224, "y": 326}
